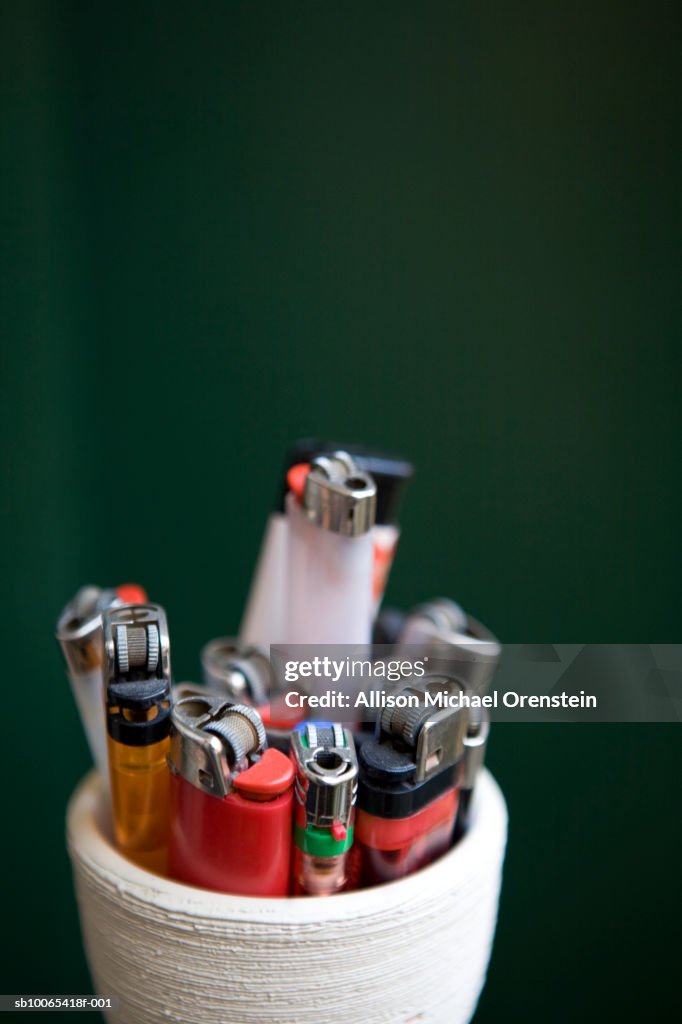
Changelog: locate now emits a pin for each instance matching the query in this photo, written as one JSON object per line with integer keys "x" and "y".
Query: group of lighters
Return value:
{"x": 211, "y": 785}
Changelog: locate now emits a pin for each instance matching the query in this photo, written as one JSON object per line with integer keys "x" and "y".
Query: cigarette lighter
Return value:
{"x": 326, "y": 766}
{"x": 475, "y": 742}
{"x": 79, "y": 634}
{"x": 138, "y": 683}
{"x": 455, "y": 642}
{"x": 409, "y": 784}
{"x": 244, "y": 674}
{"x": 331, "y": 513}
{"x": 231, "y": 800}
{"x": 239, "y": 672}
{"x": 391, "y": 474}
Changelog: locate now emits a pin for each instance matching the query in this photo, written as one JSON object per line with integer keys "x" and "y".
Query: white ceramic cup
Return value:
{"x": 409, "y": 952}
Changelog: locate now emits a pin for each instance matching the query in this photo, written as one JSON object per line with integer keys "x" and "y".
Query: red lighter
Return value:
{"x": 409, "y": 783}
{"x": 231, "y": 800}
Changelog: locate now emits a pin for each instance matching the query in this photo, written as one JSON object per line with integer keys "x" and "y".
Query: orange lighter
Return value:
{"x": 137, "y": 679}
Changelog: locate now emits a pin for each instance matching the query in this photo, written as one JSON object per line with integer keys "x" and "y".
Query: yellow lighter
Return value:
{"x": 138, "y": 681}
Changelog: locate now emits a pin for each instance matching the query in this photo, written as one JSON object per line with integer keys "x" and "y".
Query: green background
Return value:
{"x": 447, "y": 229}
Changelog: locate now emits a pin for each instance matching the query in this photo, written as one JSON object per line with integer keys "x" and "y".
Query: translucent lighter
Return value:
{"x": 331, "y": 511}
{"x": 138, "y": 683}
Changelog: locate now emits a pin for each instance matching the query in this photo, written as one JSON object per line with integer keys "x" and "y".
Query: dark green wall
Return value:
{"x": 448, "y": 229}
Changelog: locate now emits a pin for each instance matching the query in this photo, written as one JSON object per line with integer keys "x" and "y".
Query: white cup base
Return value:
{"x": 410, "y": 952}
